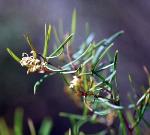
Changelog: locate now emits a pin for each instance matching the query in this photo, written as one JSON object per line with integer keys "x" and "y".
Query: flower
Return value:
{"x": 33, "y": 64}
{"x": 75, "y": 82}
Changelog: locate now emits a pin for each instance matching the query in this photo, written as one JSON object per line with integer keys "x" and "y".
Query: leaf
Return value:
{"x": 79, "y": 57}
{"x": 18, "y": 122}
{"x": 4, "y": 130}
{"x": 88, "y": 41}
{"x": 61, "y": 46}
{"x": 60, "y": 27}
{"x": 101, "y": 68}
{"x": 111, "y": 39}
{"x": 57, "y": 70}
{"x": 54, "y": 69}
{"x": 31, "y": 127}
{"x": 115, "y": 59}
{"x": 87, "y": 29}
{"x": 104, "y": 81}
{"x": 46, "y": 127}
{"x": 107, "y": 103}
{"x": 74, "y": 21}
{"x": 39, "y": 82}
{"x": 102, "y": 112}
{"x": 84, "y": 78}
{"x": 29, "y": 41}
{"x": 104, "y": 47}
{"x": 56, "y": 36}
{"x": 104, "y": 132}
{"x": 122, "y": 124}
{"x": 13, "y": 55}
{"x": 47, "y": 38}
{"x": 73, "y": 116}
{"x": 99, "y": 55}
{"x": 131, "y": 120}
{"x": 100, "y": 43}
{"x": 142, "y": 110}
{"x": 147, "y": 74}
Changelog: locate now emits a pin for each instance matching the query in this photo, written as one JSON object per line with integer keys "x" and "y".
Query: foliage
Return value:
{"x": 45, "y": 128}
{"x": 90, "y": 78}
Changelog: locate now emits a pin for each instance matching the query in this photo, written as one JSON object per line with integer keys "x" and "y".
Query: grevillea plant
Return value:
{"x": 90, "y": 80}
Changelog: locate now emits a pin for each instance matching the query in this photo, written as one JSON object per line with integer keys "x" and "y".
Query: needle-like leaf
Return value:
{"x": 61, "y": 47}
{"x": 47, "y": 38}
{"x": 13, "y": 55}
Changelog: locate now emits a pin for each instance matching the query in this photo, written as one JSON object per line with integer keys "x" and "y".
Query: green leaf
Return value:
{"x": 111, "y": 76}
{"x": 88, "y": 41}
{"x": 79, "y": 57}
{"x": 61, "y": 70}
{"x": 107, "y": 103}
{"x": 74, "y": 21}
{"x": 104, "y": 81}
{"x": 73, "y": 116}
{"x": 4, "y": 130}
{"x": 87, "y": 29}
{"x": 104, "y": 47}
{"x": 56, "y": 36}
{"x": 46, "y": 127}
{"x": 60, "y": 28}
{"x": 13, "y": 55}
{"x": 102, "y": 112}
{"x": 101, "y": 68}
{"x": 18, "y": 122}
{"x": 100, "y": 55}
{"x": 55, "y": 69}
{"x": 100, "y": 43}
{"x": 142, "y": 110}
{"x": 122, "y": 124}
{"x": 111, "y": 39}
{"x": 115, "y": 60}
{"x": 85, "y": 81}
{"x": 61, "y": 47}
{"x": 131, "y": 120}
{"x": 29, "y": 41}
{"x": 47, "y": 38}
{"x": 39, "y": 82}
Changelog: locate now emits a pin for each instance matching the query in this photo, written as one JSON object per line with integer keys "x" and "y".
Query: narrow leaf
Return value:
{"x": 47, "y": 38}
{"x": 39, "y": 82}
{"x": 111, "y": 39}
{"x": 79, "y": 57}
{"x": 74, "y": 21}
{"x": 115, "y": 59}
{"x": 29, "y": 41}
{"x": 62, "y": 45}
{"x": 18, "y": 122}
{"x": 46, "y": 127}
{"x": 56, "y": 36}
{"x": 31, "y": 127}
{"x": 99, "y": 55}
{"x": 13, "y": 55}
{"x": 4, "y": 130}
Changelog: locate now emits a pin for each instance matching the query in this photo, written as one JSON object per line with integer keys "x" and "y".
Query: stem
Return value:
{"x": 127, "y": 124}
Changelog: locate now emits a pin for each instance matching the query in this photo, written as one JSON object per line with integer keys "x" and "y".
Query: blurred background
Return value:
{"x": 105, "y": 17}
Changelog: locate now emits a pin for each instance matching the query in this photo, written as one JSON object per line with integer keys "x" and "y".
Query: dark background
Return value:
{"x": 105, "y": 18}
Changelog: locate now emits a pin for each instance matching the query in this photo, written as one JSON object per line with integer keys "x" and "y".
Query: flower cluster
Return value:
{"x": 75, "y": 82}
{"x": 32, "y": 63}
